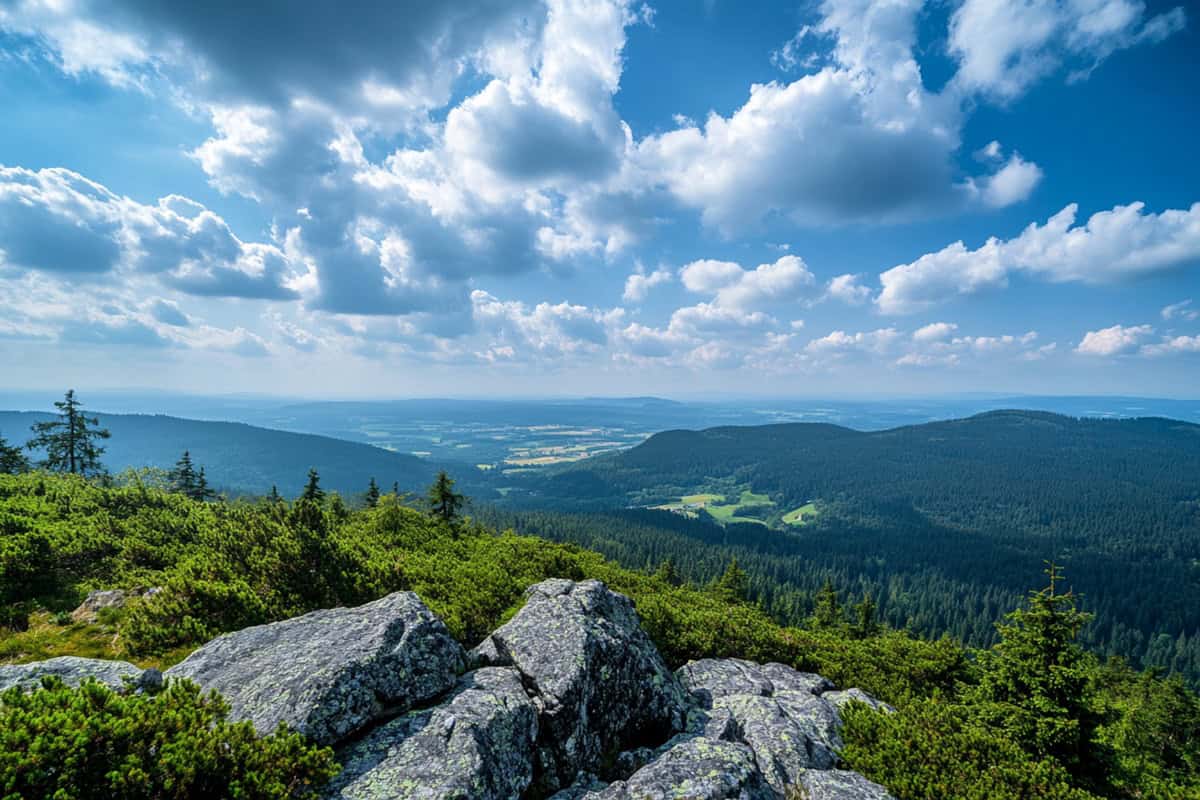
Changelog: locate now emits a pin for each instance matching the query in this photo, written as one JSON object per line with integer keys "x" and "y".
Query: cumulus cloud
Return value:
{"x": 848, "y": 289}
{"x": 1114, "y": 341}
{"x": 783, "y": 281}
{"x": 1124, "y": 243}
{"x": 1003, "y": 46}
{"x": 56, "y": 221}
{"x": 639, "y": 284}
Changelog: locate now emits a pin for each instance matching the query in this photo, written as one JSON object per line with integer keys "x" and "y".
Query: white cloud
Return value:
{"x": 1173, "y": 345}
{"x": 1014, "y": 182}
{"x": 848, "y": 289}
{"x": 934, "y": 332}
{"x": 639, "y": 284}
{"x": 1003, "y": 46}
{"x": 56, "y": 221}
{"x": 1114, "y": 341}
{"x": 1114, "y": 245}
{"x": 1180, "y": 310}
{"x": 785, "y": 280}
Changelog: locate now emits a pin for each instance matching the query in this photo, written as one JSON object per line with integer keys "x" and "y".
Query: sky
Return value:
{"x": 518, "y": 197}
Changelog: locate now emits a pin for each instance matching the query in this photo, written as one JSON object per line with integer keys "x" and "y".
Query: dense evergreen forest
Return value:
{"x": 1034, "y": 716}
{"x": 944, "y": 524}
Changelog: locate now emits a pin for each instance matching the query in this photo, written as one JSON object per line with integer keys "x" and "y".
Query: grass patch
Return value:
{"x": 802, "y": 515}
{"x": 728, "y": 512}
{"x": 45, "y": 638}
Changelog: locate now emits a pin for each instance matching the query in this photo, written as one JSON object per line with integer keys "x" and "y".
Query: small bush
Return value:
{"x": 91, "y": 742}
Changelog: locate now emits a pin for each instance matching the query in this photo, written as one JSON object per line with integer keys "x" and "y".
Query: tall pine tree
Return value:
{"x": 444, "y": 502}
{"x": 183, "y": 477}
{"x": 312, "y": 490}
{"x": 70, "y": 440}
{"x": 372, "y": 494}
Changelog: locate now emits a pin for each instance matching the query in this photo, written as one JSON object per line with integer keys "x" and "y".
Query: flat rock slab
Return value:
{"x": 838, "y": 784}
{"x": 73, "y": 671}
{"x": 599, "y": 683}
{"x": 329, "y": 673}
{"x": 696, "y": 769}
{"x": 477, "y": 744}
{"x": 711, "y": 678}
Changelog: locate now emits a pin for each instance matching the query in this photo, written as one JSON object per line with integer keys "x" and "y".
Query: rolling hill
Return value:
{"x": 945, "y": 523}
{"x": 242, "y": 458}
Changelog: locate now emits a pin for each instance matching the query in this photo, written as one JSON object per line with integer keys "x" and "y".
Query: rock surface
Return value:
{"x": 840, "y": 784}
{"x": 696, "y": 769}
{"x": 477, "y": 743}
{"x": 569, "y": 700}
{"x": 74, "y": 671}
{"x": 329, "y": 673}
{"x": 99, "y": 599}
{"x": 597, "y": 680}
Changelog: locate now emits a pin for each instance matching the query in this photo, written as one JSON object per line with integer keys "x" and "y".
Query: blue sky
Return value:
{"x": 595, "y": 196}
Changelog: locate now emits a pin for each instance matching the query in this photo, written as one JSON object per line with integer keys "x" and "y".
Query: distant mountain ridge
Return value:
{"x": 244, "y": 458}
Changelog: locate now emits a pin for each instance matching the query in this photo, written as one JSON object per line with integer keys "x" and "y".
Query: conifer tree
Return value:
{"x": 183, "y": 477}
{"x": 70, "y": 440}
{"x": 312, "y": 490}
{"x": 274, "y": 496}
{"x": 1038, "y": 682}
{"x": 827, "y": 611}
{"x": 864, "y": 613}
{"x": 444, "y": 502}
{"x": 733, "y": 585}
{"x": 204, "y": 492}
{"x": 372, "y": 494}
{"x": 12, "y": 460}
{"x": 667, "y": 572}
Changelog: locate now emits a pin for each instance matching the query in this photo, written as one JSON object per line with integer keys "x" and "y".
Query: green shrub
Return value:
{"x": 933, "y": 750}
{"x": 92, "y": 742}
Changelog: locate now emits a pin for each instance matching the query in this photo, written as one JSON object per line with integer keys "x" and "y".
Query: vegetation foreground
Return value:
{"x": 1035, "y": 716}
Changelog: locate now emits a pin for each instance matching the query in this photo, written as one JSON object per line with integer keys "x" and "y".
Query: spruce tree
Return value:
{"x": 12, "y": 460}
{"x": 444, "y": 502}
{"x": 203, "y": 492}
{"x": 864, "y": 613}
{"x": 827, "y": 611}
{"x": 667, "y": 572}
{"x": 312, "y": 490}
{"x": 1037, "y": 683}
{"x": 372, "y": 494}
{"x": 733, "y": 585}
{"x": 70, "y": 440}
{"x": 183, "y": 477}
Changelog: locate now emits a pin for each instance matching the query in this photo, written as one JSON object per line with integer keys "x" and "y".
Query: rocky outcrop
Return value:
{"x": 597, "y": 680}
{"x": 100, "y": 599}
{"x": 698, "y": 769}
{"x": 476, "y": 743}
{"x": 569, "y": 700}
{"x": 72, "y": 671}
{"x": 840, "y": 784}
{"x": 329, "y": 673}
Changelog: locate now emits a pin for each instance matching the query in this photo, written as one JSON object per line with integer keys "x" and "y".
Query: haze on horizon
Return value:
{"x": 575, "y": 197}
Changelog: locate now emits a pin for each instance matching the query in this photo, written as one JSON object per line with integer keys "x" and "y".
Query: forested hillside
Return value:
{"x": 1033, "y": 717}
{"x": 943, "y": 523}
{"x": 241, "y": 458}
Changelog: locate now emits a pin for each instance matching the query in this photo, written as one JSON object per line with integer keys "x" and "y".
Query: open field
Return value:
{"x": 729, "y": 512}
{"x": 802, "y": 515}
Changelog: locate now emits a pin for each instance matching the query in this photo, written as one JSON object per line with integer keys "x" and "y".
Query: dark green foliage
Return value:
{"x": 733, "y": 586}
{"x": 445, "y": 503}
{"x": 70, "y": 440}
{"x": 313, "y": 492}
{"x": 962, "y": 731}
{"x": 372, "y": 496}
{"x": 942, "y": 523}
{"x": 936, "y": 750}
{"x": 91, "y": 742}
{"x": 12, "y": 460}
{"x": 1037, "y": 684}
{"x": 827, "y": 609}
